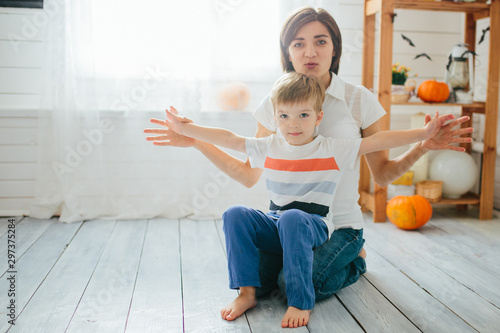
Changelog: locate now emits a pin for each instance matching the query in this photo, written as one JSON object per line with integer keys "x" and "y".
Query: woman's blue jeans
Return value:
{"x": 336, "y": 265}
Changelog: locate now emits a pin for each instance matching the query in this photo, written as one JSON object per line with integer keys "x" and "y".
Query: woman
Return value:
{"x": 311, "y": 44}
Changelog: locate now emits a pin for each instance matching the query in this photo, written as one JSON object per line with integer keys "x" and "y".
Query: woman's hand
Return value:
{"x": 168, "y": 136}
{"x": 447, "y": 135}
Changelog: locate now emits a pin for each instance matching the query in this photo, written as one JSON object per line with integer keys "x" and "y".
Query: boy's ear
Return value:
{"x": 319, "y": 117}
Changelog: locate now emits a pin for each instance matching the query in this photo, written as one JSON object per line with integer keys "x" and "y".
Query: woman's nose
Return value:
{"x": 310, "y": 52}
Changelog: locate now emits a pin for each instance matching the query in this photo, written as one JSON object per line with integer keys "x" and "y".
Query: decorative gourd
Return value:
{"x": 409, "y": 212}
{"x": 433, "y": 91}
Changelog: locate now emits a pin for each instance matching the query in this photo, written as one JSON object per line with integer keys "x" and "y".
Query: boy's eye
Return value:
{"x": 284, "y": 116}
{"x": 304, "y": 115}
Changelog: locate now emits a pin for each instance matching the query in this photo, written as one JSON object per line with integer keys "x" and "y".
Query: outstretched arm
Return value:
{"x": 218, "y": 136}
{"x": 391, "y": 139}
{"x": 385, "y": 171}
{"x": 239, "y": 170}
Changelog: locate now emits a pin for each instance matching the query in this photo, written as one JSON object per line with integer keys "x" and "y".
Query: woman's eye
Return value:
{"x": 297, "y": 45}
{"x": 322, "y": 42}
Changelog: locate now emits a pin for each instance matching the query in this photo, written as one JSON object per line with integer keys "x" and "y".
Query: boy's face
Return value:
{"x": 297, "y": 122}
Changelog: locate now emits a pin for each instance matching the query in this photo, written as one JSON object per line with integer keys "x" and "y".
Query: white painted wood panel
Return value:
{"x": 18, "y": 153}
{"x": 465, "y": 271}
{"x": 20, "y": 171}
{"x": 54, "y": 303}
{"x": 425, "y": 311}
{"x": 21, "y": 54}
{"x": 18, "y": 136}
{"x": 106, "y": 301}
{"x": 20, "y": 80}
{"x": 27, "y": 232}
{"x": 205, "y": 281}
{"x": 157, "y": 300}
{"x": 33, "y": 267}
{"x": 463, "y": 241}
{"x": 430, "y": 275}
{"x": 17, "y": 188}
{"x": 401, "y": 286}
{"x": 330, "y": 315}
{"x": 373, "y": 311}
{"x": 15, "y": 206}
{"x": 20, "y": 26}
{"x": 19, "y": 101}
{"x": 4, "y": 223}
{"x": 429, "y": 21}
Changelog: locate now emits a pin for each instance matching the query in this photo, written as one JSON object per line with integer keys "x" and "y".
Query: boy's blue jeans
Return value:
{"x": 336, "y": 265}
{"x": 292, "y": 236}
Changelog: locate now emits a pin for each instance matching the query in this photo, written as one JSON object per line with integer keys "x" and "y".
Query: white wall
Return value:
{"x": 21, "y": 42}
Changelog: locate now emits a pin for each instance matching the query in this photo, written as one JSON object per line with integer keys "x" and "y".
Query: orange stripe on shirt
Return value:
{"x": 315, "y": 164}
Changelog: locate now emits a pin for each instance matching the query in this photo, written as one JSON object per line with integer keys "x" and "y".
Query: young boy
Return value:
{"x": 301, "y": 171}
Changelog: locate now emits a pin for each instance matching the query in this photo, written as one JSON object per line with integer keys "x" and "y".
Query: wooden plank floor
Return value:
{"x": 163, "y": 275}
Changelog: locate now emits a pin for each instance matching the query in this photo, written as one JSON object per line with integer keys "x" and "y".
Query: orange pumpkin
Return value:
{"x": 433, "y": 91}
{"x": 409, "y": 212}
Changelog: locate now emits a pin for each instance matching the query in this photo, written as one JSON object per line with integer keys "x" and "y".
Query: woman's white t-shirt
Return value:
{"x": 347, "y": 109}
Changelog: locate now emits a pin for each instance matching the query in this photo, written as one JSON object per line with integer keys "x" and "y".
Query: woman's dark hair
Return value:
{"x": 296, "y": 21}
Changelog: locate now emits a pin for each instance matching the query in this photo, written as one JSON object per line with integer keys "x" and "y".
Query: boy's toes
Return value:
{"x": 224, "y": 312}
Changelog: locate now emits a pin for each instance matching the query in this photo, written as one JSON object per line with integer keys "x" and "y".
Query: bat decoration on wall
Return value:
{"x": 484, "y": 34}
{"x": 423, "y": 55}
{"x": 408, "y": 40}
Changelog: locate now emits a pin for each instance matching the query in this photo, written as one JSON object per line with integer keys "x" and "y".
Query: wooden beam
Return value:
{"x": 481, "y": 15}
{"x": 462, "y": 7}
{"x": 372, "y": 7}
{"x": 384, "y": 92}
{"x": 491, "y": 116}
{"x": 367, "y": 201}
{"x": 367, "y": 81}
{"x": 467, "y": 146}
{"x": 368, "y": 49}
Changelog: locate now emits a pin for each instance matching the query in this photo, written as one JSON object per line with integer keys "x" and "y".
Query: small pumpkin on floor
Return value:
{"x": 409, "y": 212}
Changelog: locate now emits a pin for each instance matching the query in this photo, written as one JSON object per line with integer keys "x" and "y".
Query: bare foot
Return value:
{"x": 362, "y": 254}
{"x": 245, "y": 300}
{"x": 295, "y": 317}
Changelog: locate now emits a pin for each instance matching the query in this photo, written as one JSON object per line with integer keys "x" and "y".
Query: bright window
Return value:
{"x": 189, "y": 39}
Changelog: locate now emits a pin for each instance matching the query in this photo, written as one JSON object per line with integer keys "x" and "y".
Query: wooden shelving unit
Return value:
{"x": 376, "y": 202}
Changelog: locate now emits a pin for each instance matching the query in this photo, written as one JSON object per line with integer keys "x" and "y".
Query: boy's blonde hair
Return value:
{"x": 295, "y": 87}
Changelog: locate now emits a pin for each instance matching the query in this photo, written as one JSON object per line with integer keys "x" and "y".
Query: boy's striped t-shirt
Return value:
{"x": 302, "y": 177}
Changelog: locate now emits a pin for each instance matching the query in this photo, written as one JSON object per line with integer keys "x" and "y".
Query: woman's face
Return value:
{"x": 311, "y": 51}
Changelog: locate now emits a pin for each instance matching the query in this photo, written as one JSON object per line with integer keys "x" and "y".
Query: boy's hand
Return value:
{"x": 175, "y": 121}
{"x": 446, "y": 135}
{"x": 169, "y": 137}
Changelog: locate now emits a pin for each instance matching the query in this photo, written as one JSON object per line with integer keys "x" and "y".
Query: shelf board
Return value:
{"x": 466, "y": 199}
{"x": 367, "y": 200}
{"x": 477, "y": 107}
{"x": 461, "y": 7}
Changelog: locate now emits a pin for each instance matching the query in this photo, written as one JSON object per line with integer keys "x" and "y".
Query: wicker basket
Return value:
{"x": 399, "y": 98}
{"x": 430, "y": 189}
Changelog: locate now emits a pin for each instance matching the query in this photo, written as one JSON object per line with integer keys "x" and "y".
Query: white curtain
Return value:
{"x": 112, "y": 65}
